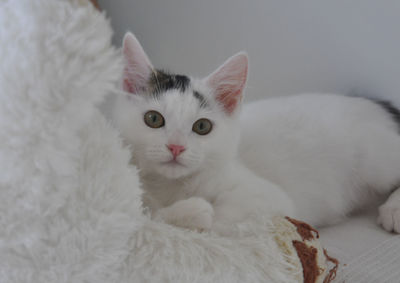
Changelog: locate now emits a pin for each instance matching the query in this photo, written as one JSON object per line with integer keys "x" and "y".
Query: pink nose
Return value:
{"x": 176, "y": 149}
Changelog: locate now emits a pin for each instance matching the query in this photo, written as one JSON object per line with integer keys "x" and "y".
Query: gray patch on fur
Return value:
{"x": 161, "y": 81}
{"x": 200, "y": 98}
{"x": 391, "y": 110}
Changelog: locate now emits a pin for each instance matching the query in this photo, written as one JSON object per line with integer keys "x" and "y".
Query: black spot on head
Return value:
{"x": 200, "y": 97}
{"x": 391, "y": 109}
{"x": 161, "y": 81}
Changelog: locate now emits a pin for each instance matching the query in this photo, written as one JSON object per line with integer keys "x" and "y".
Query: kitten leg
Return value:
{"x": 256, "y": 199}
{"x": 193, "y": 213}
{"x": 389, "y": 213}
{"x": 381, "y": 170}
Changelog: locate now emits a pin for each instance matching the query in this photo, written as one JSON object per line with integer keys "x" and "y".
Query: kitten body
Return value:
{"x": 215, "y": 197}
{"x": 315, "y": 157}
{"x": 332, "y": 154}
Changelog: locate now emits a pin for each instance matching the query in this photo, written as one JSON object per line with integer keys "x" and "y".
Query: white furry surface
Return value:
{"x": 68, "y": 200}
{"x": 70, "y": 208}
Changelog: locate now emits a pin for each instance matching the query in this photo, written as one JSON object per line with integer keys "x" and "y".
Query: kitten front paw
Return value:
{"x": 389, "y": 217}
{"x": 193, "y": 213}
{"x": 200, "y": 216}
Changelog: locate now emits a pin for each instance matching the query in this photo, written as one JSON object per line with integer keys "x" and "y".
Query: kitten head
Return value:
{"x": 177, "y": 124}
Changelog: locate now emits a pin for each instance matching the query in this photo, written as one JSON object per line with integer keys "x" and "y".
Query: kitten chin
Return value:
{"x": 173, "y": 170}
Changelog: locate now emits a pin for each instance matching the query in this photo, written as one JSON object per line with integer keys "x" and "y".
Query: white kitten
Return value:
{"x": 185, "y": 134}
{"x": 329, "y": 154}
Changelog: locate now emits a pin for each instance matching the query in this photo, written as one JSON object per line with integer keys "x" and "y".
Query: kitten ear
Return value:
{"x": 229, "y": 80}
{"x": 138, "y": 67}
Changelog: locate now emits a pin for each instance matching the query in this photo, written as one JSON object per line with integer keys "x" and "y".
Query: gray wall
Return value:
{"x": 294, "y": 46}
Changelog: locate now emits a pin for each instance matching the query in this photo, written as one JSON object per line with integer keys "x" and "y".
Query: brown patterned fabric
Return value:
{"x": 94, "y": 2}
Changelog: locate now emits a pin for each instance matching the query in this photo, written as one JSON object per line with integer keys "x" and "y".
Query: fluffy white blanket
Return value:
{"x": 70, "y": 208}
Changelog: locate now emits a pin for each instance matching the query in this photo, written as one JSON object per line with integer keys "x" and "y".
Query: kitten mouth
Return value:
{"x": 173, "y": 162}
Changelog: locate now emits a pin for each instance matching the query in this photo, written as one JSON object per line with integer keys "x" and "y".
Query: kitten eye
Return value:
{"x": 153, "y": 119}
{"x": 202, "y": 126}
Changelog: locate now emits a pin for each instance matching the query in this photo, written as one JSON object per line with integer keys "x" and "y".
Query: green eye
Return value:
{"x": 153, "y": 119}
{"x": 202, "y": 126}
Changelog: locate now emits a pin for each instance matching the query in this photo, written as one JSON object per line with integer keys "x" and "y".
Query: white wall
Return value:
{"x": 294, "y": 46}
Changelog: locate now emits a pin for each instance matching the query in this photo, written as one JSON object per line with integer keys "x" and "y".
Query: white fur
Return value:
{"x": 332, "y": 154}
{"x": 69, "y": 202}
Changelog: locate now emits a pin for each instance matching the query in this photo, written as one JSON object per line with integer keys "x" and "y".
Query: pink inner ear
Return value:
{"x": 229, "y": 81}
{"x": 128, "y": 85}
{"x": 138, "y": 68}
{"x": 230, "y": 97}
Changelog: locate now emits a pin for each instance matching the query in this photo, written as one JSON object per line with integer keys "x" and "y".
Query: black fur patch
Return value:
{"x": 391, "y": 109}
{"x": 161, "y": 81}
{"x": 200, "y": 97}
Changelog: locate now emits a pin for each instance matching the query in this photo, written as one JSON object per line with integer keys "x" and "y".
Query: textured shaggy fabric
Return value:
{"x": 68, "y": 200}
{"x": 70, "y": 208}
